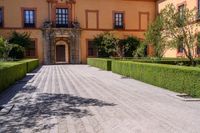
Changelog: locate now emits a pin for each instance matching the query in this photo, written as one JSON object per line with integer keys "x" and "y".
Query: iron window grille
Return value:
{"x": 29, "y": 18}
{"x": 62, "y": 17}
{"x": 119, "y": 21}
{"x": 1, "y": 17}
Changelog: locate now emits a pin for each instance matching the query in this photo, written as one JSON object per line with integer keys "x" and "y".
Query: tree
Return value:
{"x": 106, "y": 44}
{"x": 129, "y": 45}
{"x": 156, "y": 38}
{"x": 180, "y": 25}
{"x": 17, "y": 52}
{"x": 22, "y": 39}
{"x": 5, "y": 49}
{"x": 141, "y": 50}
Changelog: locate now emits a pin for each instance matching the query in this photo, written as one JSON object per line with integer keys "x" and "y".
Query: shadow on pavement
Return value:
{"x": 33, "y": 111}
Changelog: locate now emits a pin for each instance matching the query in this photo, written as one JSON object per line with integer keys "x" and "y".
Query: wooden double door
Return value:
{"x": 62, "y": 54}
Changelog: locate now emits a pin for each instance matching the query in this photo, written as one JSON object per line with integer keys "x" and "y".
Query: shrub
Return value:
{"x": 10, "y": 72}
{"x": 129, "y": 46}
{"x": 32, "y": 64}
{"x": 106, "y": 44}
{"x": 17, "y": 52}
{"x": 176, "y": 78}
{"x": 22, "y": 39}
{"x": 170, "y": 61}
{"x": 5, "y": 49}
{"x": 104, "y": 64}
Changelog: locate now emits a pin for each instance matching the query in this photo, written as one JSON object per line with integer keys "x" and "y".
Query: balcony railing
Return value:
{"x": 69, "y": 24}
{"x": 118, "y": 27}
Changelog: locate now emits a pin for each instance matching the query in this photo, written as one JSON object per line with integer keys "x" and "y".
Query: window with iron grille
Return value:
{"x": 198, "y": 11}
{"x": 180, "y": 46}
{"x": 198, "y": 50}
{"x": 118, "y": 20}
{"x": 181, "y": 9}
{"x": 31, "y": 50}
{"x": 92, "y": 49}
{"x": 62, "y": 17}
{"x": 29, "y": 18}
{"x": 1, "y": 17}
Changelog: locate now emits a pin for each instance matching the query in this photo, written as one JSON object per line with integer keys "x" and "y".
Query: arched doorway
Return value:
{"x": 62, "y": 52}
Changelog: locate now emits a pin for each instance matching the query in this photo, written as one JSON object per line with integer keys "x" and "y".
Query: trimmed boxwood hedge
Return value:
{"x": 104, "y": 64}
{"x": 31, "y": 64}
{"x": 10, "y": 72}
{"x": 170, "y": 61}
{"x": 176, "y": 78}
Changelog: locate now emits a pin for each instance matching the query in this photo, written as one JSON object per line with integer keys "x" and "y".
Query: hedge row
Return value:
{"x": 176, "y": 78}
{"x": 170, "y": 61}
{"x": 13, "y": 71}
{"x": 104, "y": 64}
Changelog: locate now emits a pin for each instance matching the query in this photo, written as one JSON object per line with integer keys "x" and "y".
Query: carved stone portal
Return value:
{"x": 69, "y": 35}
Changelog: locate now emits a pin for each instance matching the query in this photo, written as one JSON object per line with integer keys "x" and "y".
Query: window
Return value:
{"x": 62, "y": 17}
{"x": 198, "y": 11}
{"x": 1, "y": 17}
{"x": 198, "y": 50}
{"x": 31, "y": 50}
{"x": 181, "y": 9}
{"x": 118, "y": 20}
{"x": 29, "y": 18}
{"x": 180, "y": 45}
{"x": 92, "y": 49}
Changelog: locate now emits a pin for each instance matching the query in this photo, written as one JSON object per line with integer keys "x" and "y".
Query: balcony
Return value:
{"x": 118, "y": 27}
{"x": 69, "y": 24}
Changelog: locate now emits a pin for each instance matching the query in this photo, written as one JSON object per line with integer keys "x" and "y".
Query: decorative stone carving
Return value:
{"x": 69, "y": 35}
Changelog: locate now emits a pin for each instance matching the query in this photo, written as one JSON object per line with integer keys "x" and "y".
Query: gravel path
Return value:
{"x": 84, "y": 99}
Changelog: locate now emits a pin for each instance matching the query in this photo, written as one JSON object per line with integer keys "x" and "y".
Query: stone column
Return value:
{"x": 46, "y": 46}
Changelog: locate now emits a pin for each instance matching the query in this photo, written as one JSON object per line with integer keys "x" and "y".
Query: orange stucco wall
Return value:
{"x": 94, "y": 16}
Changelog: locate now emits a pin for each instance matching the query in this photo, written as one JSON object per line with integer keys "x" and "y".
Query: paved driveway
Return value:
{"x": 83, "y": 99}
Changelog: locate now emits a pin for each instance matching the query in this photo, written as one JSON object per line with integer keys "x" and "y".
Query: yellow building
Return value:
{"x": 62, "y": 30}
{"x": 179, "y": 4}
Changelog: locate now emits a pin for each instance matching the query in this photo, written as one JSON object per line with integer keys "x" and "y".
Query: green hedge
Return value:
{"x": 32, "y": 64}
{"x": 10, "y": 72}
{"x": 170, "y": 61}
{"x": 176, "y": 78}
{"x": 104, "y": 64}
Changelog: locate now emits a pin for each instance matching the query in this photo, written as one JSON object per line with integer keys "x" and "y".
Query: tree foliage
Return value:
{"x": 156, "y": 38}
{"x": 22, "y": 39}
{"x": 106, "y": 44}
{"x": 5, "y": 48}
{"x": 109, "y": 45}
{"x": 130, "y": 45}
{"x": 180, "y": 26}
{"x": 17, "y": 52}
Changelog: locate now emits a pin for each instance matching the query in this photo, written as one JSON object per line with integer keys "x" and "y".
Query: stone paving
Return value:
{"x": 84, "y": 99}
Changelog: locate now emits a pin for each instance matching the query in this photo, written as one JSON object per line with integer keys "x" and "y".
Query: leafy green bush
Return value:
{"x": 10, "y": 72}
{"x": 17, "y": 52}
{"x": 5, "y": 48}
{"x": 22, "y": 39}
{"x": 176, "y": 78}
{"x": 104, "y": 64}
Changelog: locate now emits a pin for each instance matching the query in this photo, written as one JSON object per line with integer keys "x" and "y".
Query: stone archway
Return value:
{"x": 62, "y": 52}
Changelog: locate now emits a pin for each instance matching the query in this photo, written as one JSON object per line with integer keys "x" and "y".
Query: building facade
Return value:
{"x": 180, "y": 4}
{"x": 62, "y": 30}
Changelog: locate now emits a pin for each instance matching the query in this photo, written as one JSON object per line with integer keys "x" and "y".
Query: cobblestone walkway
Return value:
{"x": 83, "y": 99}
